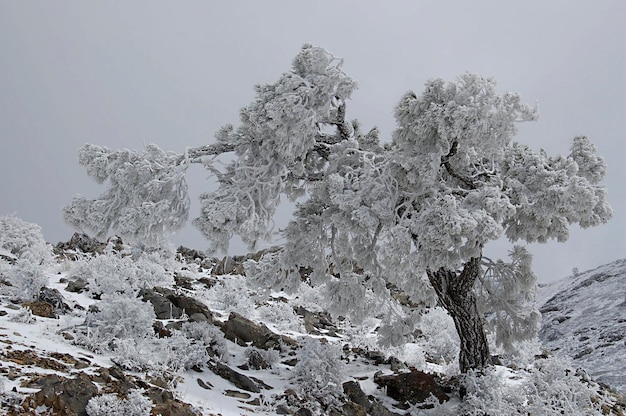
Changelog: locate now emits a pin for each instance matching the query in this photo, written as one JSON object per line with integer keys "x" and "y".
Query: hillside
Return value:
{"x": 584, "y": 317}
{"x": 116, "y": 331}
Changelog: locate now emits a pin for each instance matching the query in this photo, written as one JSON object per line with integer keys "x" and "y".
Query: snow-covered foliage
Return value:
{"x": 413, "y": 213}
{"x": 118, "y": 317}
{"x": 23, "y": 240}
{"x": 136, "y": 404}
{"x": 207, "y": 335}
{"x": 147, "y": 197}
{"x": 278, "y": 145}
{"x": 128, "y": 348}
{"x": 318, "y": 375}
{"x": 119, "y": 273}
{"x": 23, "y": 280}
{"x": 551, "y": 387}
{"x": 507, "y": 298}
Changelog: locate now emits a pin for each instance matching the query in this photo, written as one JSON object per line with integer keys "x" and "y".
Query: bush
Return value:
{"x": 116, "y": 273}
{"x": 550, "y": 387}
{"x": 23, "y": 240}
{"x": 174, "y": 353}
{"x": 118, "y": 317}
{"x": 136, "y": 404}
{"x": 25, "y": 280}
{"x": 207, "y": 334}
{"x": 318, "y": 375}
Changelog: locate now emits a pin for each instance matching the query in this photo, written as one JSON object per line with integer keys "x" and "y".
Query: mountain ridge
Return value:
{"x": 584, "y": 318}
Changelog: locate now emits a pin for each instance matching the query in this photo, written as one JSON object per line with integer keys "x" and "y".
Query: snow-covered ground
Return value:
{"x": 584, "y": 318}
{"x": 32, "y": 346}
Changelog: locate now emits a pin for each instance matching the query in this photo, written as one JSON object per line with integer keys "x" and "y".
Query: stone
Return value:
{"x": 244, "y": 331}
{"x": 63, "y": 396}
{"x": 239, "y": 380}
{"x": 55, "y": 298}
{"x": 173, "y": 408}
{"x": 348, "y": 409}
{"x": 355, "y": 394}
{"x": 414, "y": 387}
{"x": 40, "y": 308}
{"x": 78, "y": 285}
{"x": 163, "y": 307}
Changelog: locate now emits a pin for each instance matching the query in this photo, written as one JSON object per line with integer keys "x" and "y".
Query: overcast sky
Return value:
{"x": 124, "y": 74}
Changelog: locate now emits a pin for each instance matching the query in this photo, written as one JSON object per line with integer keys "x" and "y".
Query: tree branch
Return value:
{"x": 195, "y": 154}
{"x": 445, "y": 162}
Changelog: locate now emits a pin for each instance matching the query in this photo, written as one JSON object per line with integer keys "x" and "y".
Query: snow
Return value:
{"x": 583, "y": 318}
{"x": 45, "y": 336}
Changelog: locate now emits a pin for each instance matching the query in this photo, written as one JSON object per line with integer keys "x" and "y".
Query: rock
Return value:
{"x": 182, "y": 281}
{"x": 349, "y": 409}
{"x": 237, "y": 394}
{"x": 173, "y": 408}
{"x": 40, "y": 308}
{"x": 234, "y": 265}
{"x": 163, "y": 307}
{"x": 355, "y": 394}
{"x": 63, "y": 396}
{"x": 168, "y": 304}
{"x": 204, "y": 384}
{"x": 79, "y": 243}
{"x": 190, "y": 255}
{"x": 55, "y": 298}
{"x": 303, "y": 411}
{"x": 353, "y": 390}
{"x": 243, "y": 331}
{"x": 79, "y": 285}
{"x": 413, "y": 387}
{"x": 228, "y": 266}
{"x": 256, "y": 360}
{"x": 316, "y": 323}
{"x": 239, "y": 380}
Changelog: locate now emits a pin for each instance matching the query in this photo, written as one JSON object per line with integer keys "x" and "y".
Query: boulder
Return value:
{"x": 239, "y": 380}
{"x": 244, "y": 331}
{"x": 168, "y": 304}
{"x": 414, "y": 387}
{"x": 61, "y": 395}
{"x": 39, "y": 308}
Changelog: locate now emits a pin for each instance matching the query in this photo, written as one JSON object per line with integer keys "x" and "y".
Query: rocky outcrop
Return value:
{"x": 244, "y": 331}
{"x": 583, "y": 318}
{"x": 414, "y": 386}
{"x": 169, "y": 304}
{"x": 82, "y": 243}
{"x": 62, "y": 395}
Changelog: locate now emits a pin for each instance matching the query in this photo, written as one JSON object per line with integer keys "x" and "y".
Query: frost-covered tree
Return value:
{"x": 415, "y": 212}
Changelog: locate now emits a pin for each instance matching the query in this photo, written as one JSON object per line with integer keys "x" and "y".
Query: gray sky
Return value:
{"x": 123, "y": 74}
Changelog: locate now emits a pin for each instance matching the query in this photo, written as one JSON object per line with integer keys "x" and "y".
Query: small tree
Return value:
{"x": 416, "y": 212}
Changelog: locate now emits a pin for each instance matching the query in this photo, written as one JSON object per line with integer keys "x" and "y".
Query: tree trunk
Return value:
{"x": 456, "y": 295}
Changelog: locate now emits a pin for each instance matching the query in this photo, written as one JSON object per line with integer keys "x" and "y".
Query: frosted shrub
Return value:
{"x": 23, "y": 240}
{"x": 551, "y": 387}
{"x": 174, "y": 353}
{"x": 318, "y": 375}
{"x": 209, "y": 335}
{"x": 441, "y": 341}
{"x": 182, "y": 353}
{"x": 113, "y": 273}
{"x": 230, "y": 295}
{"x": 281, "y": 315}
{"x": 136, "y": 404}
{"x": 25, "y": 280}
{"x": 23, "y": 316}
{"x": 117, "y": 318}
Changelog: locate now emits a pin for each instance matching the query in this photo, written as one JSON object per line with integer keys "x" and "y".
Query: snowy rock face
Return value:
{"x": 584, "y": 318}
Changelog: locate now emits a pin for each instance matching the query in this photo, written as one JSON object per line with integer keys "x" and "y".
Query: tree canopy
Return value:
{"x": 413, "y": 212}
